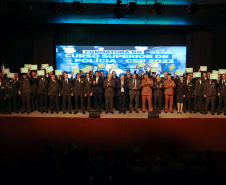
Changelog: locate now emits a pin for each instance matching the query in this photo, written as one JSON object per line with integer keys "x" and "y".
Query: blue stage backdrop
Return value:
{"x": 125, "y": 57}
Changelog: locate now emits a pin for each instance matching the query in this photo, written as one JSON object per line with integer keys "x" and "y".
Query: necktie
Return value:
{"x": 88, "y": 79}
{"x": 67, "y": 81}
{"x": 133, "y": 83}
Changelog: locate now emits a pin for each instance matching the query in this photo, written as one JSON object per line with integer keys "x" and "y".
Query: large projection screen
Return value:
{"x": 125, "y": 57}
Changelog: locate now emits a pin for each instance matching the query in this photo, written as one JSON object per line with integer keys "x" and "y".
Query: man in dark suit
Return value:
{"x": 54, "y": 92}
{"x": 189, "y": 94}
{"x": 198, "y": 95}
{"x": 127, "y": 78}
{"x": 43, "y": 94}
{"x": 134, "y": 92}
{"x": 25, "y": 92}
{"x": 3, "y": 95}
{"x": 12, "y": 94}
{"x": 66, "y": 85}
{"x": 78, "y": 92}
{"x": 109, "y": 86}
{"x": 122, "y": 90}
{"x": 116, "y": 80}
{"x": 210, "y": 93}
{"x": 88, "y": 88}
{"x": 98, "y": 91}
{"x": 222, "y": 95}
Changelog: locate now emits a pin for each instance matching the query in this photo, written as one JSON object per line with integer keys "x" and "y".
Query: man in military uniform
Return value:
{"x": 122, "y": 90}
{"x": 127, "y": 78}
{"x": 12, "y": 93}
{"x": 88, "y": 88}
{"x": 134, "y": 92}
{"x": 66, "y": 85}
{"x": 188, "y": 95}
{"x": 146, "y": 85}
{"x": 210, "y": 93}
{"x": 169, "y": 86}
{"x": 34, "y": 87}
{"x": 78, "y": 92}
{"x": 198, "y": 95}
{"x": 98, "y": 91}
{"x": 54, "y": 91}
{"x": 25, "y": 92}
{"x": 158, "y": 86}
{"x": 3, "y": 94}
{"x": 43, "y": 94}
{"x": 222, "y": 95}
{"x": 109, "y": 86}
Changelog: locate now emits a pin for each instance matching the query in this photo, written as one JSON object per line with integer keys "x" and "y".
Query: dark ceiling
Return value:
{"x": 210, "y": 12}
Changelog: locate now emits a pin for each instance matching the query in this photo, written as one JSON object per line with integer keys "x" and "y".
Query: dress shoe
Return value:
{"x": 204, "y": 112}
{"x": 195, "y": 111}
{"x": 42, "y": 112}
{"x": 28, "y": 112}
{"x": 185, "y": 111}
{"x": 178, "y": 112}
{"x": 130, "y": 111}
{"x": 57, "y": 112}
{"x": 143, "y": 111}
{"x": 64, "y": 112}
{"x": 106, "y": 112}
{"x": 218, "y": 113}
{"x": 225, "y": 114}
{"x": 120, "y": 112}
{"x": 51, "y": 112}
{"x": 212, "y": 113}
{"x": 190, "y": 111}
{"x": 76, "y": 112}
{"x": 46, "y": 111}
{"x": 70, "y": 112}
{"x": 171, "y": 112}
{"x": 124, "y": 112}
{"x": 136, "y": 111}
{"x": 165, "y": 111}
{"x": 83, "y": 112}
{"x": 23, "y": 112}
{"x": 112, "y": 112}
{"x": 16, "y": 112}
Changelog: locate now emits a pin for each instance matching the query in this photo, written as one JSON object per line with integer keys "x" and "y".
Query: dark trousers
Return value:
{"x": 109, "y": 103}
{"x": 26, "y": 101}
{"x": 198, "y": 101}
{"x": 187, "y": 103}
{"x": 210, "y": 99}
{"x": 127, "y": 101}
{"x": 222, "y": 100}
{"x": 98, "y": 100}
{"x": 158, "y": 102}
{"x": 12, "y": 100}
{"x": 43, "y": 100}
{"x": 54, "y": 100}
{"x": 66, "y": 99}
{"x": 132, "y": 97}
{"x": 88, "y": 101}
{"x": 116, "y": 102}
{"x": 34, "y": 101}
{"x": 2, "y": 102}
{"x": 77, "y": 98}
{"x": 19, "y": 102}
{"x": 122, "y": 102}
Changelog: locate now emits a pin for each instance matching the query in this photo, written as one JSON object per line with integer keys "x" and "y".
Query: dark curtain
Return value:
{"x": 35, "y": 44}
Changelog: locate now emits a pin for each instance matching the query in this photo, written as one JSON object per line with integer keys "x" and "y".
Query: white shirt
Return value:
{"x": 122, "y": 88}
{"x": 66, "y": 80}
{"x": 134, "y": 82}
{"x": 97, "y": 78}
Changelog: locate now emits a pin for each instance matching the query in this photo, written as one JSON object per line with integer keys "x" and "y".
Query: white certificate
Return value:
{"x": 75, "y": 70}
{"x": 172, "y": 67}
{"x": 203, "y": 68}
{"x": 10, "y": 75}
{"x": 222, "y": 71}
{"x": 27, "y": 65}
{"x": 214, "y": 76}
{"x": 197, "y": 75}
{"x": 179, "y": 73}
{"x": 215, "y": 72}
{"x": 58, "y": 72}
{"x": 154, "y": 69}
{"x": 101, "y": 66}
{"x": 141, "y": 64}
{"x": 89, "y": 67}
{"x": 6, "y": 70}
{"x": 23, "y": 70}
{"x": 44, "y": 66}
{"x": 49, "y": 69}
{"x": 85, "y": 70}
{"x": 189, "y": 70}
{"x": 114, "y": 66}
{"x": 41, "y": 73}
{"x": 34, "y": 67}
{"x": 154, "y": 64}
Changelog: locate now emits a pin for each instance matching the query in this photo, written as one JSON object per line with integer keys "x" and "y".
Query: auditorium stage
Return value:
{"x": 22, "y": 134}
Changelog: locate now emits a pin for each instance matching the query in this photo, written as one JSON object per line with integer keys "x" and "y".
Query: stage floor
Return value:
{"x": 116, "y": 115}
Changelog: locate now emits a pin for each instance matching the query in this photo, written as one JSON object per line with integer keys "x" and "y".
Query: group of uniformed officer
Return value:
{"x": 96, "y": 92}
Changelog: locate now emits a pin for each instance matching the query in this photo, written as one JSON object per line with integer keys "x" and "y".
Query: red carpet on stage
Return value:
{"x": 30, "y": 135}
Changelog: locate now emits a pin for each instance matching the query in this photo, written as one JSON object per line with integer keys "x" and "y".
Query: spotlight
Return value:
{"x": 159, "y": 8}
{"x": 3, "y": 7}
{"x": 79, "y": 7}
{"x": 131, "y": 8}
{"x": 54, "y": 9}
{"x": 192, "y": 8}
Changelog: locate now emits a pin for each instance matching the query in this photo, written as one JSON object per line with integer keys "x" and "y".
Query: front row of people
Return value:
{"x": 34, "y": 92}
